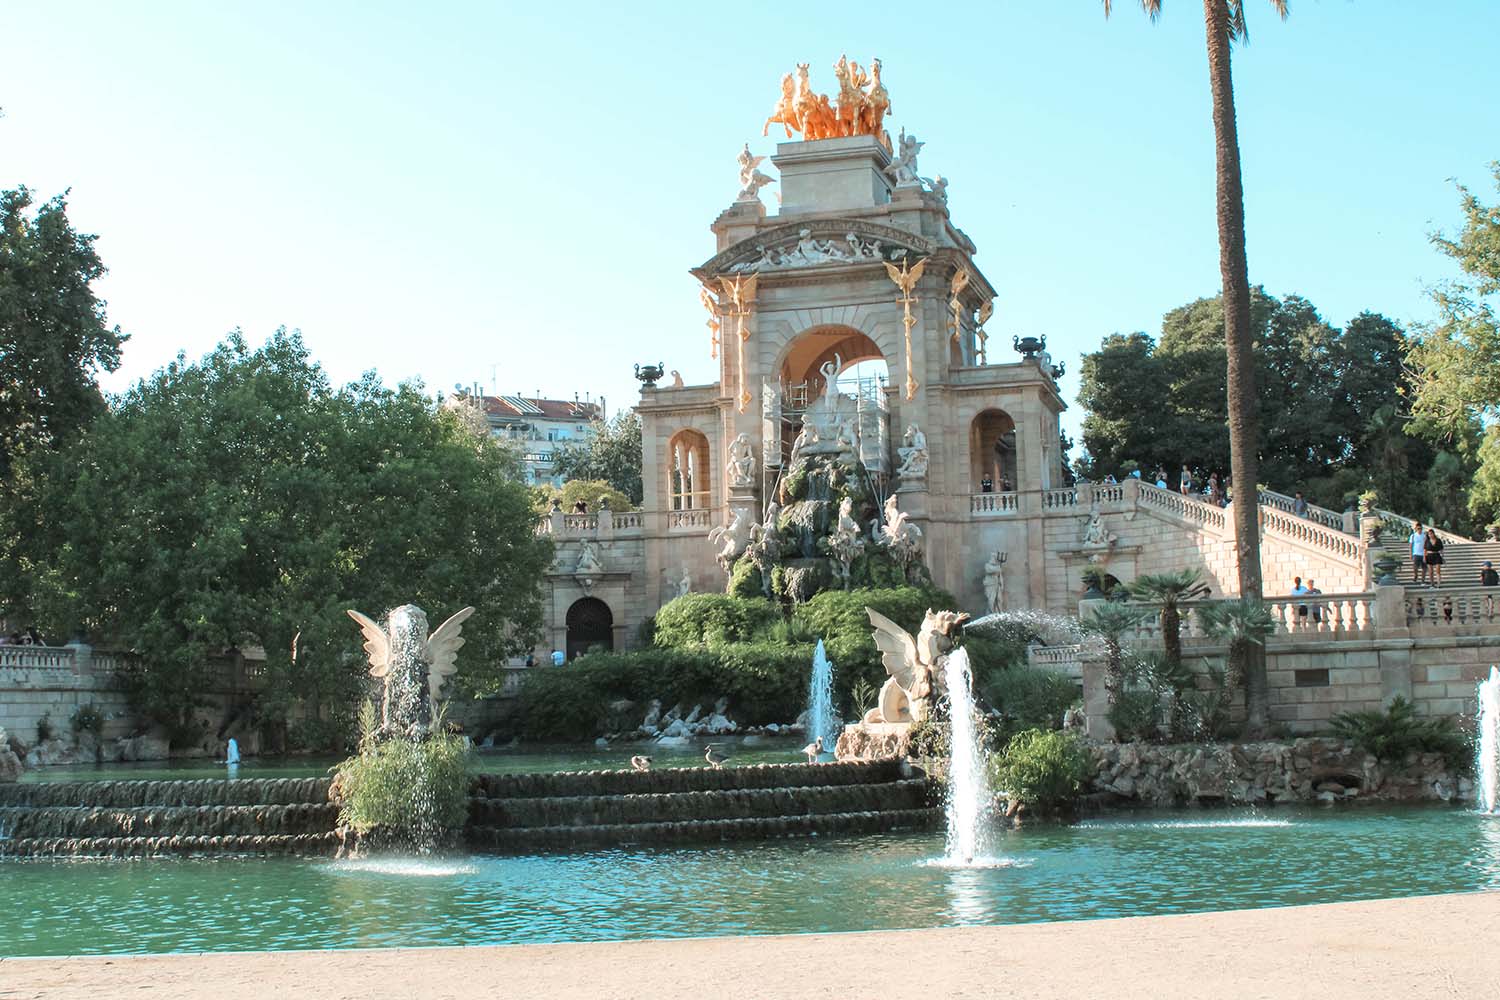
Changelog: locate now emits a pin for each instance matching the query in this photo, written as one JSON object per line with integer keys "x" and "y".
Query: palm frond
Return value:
{"x": 1151, "y": 7}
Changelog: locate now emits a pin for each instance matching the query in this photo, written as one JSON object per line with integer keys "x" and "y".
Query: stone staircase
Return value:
{"x": 542, "y": 812}
{"x": 152, "y": 818}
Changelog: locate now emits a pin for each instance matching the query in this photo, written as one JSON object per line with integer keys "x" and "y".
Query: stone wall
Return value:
{"x": 1303, "y": 771}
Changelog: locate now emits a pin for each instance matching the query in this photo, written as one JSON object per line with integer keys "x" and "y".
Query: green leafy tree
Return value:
{"x": 1455, "y": 364}
{"x": 590, "y": 491}
{"x": 54, "y": 337}
{"x": 242, "y": 501}
{"x": 1110, "y": 622}
{"x": 611, "y": 454}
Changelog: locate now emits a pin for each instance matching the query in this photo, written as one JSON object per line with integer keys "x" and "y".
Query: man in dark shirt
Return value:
{"x": 1489, "y": 578}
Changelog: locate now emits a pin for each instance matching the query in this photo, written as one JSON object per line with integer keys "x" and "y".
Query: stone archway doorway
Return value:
{"x": 591, "y": 625}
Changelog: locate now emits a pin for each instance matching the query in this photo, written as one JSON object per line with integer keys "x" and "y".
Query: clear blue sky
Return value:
{"x": 433, "y": 189}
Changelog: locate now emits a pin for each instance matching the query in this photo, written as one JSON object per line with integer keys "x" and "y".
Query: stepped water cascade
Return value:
{"x": 820, "y": 718}
{"x": 970, "y": 803}
{"x": 1487, "y": 762}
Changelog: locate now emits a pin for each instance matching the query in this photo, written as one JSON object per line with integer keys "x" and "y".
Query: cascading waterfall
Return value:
{"x": 970, "y": 801}
{"x": 820, "y": 719}
{"x": 1487, "y": 762}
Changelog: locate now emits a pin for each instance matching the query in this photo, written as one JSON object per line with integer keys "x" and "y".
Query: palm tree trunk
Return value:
{"x": 1238, "y": 343}
{"x": 1171, "y": 634}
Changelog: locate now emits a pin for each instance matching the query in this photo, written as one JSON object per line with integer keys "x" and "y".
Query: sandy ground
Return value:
{"x": 1430, "y": 946}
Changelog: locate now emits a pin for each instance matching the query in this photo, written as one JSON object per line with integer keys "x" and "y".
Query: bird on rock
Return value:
{"x": 813, "y": 749}
{"x": 714, "y": 757}
{"x": 641, "y": 762}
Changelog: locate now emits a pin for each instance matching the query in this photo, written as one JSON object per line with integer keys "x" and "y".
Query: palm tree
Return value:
{"x": 1224, "y": 22}
{"x": 1110, "y": 622}
{"x": 1167, "y": 591}
{"x": 1244, "y": 624}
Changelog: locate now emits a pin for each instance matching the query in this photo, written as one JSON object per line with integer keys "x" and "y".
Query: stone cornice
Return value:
{"x": 749, "y": 249}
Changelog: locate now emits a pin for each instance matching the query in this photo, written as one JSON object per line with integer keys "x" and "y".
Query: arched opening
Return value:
{"x": 806, "y": 355}
{"x": 860, "y": 377}
{"x": 992, "y": 451}
{"x": 591, "y": 625}
{"x": 689, "y": 479}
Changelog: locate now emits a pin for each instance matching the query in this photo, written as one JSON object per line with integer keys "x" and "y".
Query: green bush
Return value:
{"x": 87, "y": 719}
{"x": 1043, "y": 770}
{"x": 1134, "y": 716}
{"x": 1030, "y": 697}
{"x": 44, "y": 728}
{"x": 1396, "y": 732}
{"x": 711, "y": 619}
{"x": 411, "y": 791}
{"x": 764, "y": 682}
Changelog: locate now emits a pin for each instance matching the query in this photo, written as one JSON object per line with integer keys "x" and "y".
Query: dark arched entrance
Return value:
{"x": 590, "y": 625}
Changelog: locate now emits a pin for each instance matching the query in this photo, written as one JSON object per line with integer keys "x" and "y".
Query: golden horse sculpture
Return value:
{"x": 858, "y": 112}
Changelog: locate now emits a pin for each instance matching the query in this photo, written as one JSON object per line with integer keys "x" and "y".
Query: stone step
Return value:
{"x": 687, "y": 779}
{"x": 89, "y": 822}
{"x": 202, "y": 792}
{"x": 303, "y": 844}
{"x": 740, "y": 803}
{"x": 566, "y": 838}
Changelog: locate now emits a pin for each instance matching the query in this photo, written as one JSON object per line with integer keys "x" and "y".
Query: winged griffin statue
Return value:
{"x": 915, "y": 665}
{"x": 398, "y": 657}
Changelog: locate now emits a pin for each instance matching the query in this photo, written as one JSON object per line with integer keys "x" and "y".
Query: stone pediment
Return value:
{"x": 815, "y": 243}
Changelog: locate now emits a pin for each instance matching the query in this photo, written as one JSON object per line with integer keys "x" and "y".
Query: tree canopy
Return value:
{"x": 242, "y": 501}
{"x": 611, "y": 454}
{"x": 1332, "y": 414}
{"x": 1455, "y": 364}
{"x": 54, "y": 336}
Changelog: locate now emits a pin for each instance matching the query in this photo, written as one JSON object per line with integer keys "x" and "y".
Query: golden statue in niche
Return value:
{"x": 858, "y": 111}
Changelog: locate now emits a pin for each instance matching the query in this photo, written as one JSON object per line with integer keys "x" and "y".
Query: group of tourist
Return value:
{"x": 1213, "y": 490}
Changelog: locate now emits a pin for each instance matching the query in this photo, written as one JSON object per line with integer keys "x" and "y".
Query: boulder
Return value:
{"x": 717, "y": 724}
{"x": 693, "y": 716}
{"x": 653, "y": 715}
{"x": 676, "y": 729}
{"x": 673, "y": 741}
{"x": 148, "y": 747}
{"x": 10, "y": 765}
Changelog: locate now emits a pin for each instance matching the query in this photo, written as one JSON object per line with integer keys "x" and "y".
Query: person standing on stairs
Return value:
{"x": 1432, "y": 555}
{"x": 1418, "y": 542}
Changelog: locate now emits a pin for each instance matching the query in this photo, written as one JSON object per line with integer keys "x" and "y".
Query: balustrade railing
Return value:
{"x": 1331, "y": 614}
{"x": 1322, "y": 515}
{"x": 1311, "y": 533}
{"x": 1109, "y": 492}
{"x": 994, "y": 503}
{"x": 694, "y": 519}
{"x": 1406, "y": 524}
{"x": 1447, "y": 608}
{"x": 629, "y": 519}
{"x": 1059, "y": 499}
{"x": 1065, "y": 660}
{"x": 576, "y": 524}
{"x": 1185, "y": 507}
{"x": 29, "y": 658}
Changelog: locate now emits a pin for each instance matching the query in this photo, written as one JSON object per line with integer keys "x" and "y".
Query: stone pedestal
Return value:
{"x": 832, "y": 174}
{"x": 873, "y": 741}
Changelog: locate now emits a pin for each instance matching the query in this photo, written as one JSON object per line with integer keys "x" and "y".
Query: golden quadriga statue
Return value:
{"x": 863, "y": 103}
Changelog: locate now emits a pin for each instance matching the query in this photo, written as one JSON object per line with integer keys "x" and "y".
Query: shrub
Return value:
{"x": 1396, "y": 732}
{"x": 412, "y": 791}
{"x": 1043, "y": 770}
{"x": 87, "y": 719}
{"x": 1134, "y": 716}
{"x": 1030, "y": 697}
{"x": 764, "y": 682}
{"x": 712, "y": 619}
{"x": 44, "y": 728}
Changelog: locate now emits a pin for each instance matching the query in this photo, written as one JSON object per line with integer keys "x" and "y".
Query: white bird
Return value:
{"x": 714, "y": 757}
{"x": 640, "y": 762}
{"x": 813, "y": 749}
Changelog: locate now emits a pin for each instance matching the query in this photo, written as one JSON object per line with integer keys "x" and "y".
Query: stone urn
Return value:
{"x": 1385, "y": 568}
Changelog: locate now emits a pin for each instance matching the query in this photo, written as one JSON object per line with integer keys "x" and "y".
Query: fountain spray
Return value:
{"x": 1487, "y": 759}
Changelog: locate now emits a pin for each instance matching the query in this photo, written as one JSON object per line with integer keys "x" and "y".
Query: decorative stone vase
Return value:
{"x": 1385, "y": 565}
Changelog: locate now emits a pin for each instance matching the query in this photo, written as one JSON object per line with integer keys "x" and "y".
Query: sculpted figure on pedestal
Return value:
{"x": 741, "y": 466}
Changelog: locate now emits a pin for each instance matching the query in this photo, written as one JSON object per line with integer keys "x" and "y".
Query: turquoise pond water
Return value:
{"x": 1142, "y": 864}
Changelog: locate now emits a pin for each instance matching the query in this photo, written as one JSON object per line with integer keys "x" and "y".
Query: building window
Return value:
{"x": 689, "y": 478}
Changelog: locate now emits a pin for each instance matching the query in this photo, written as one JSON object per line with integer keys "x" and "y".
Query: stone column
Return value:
{"x": 1095, "y": 694}
{"x": 1389, "y": 614}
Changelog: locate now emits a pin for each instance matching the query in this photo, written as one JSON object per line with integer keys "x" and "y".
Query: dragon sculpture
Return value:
{"x": 914, "y": 664}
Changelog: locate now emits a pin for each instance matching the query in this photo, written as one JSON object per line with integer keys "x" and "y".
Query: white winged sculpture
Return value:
{"x": 914, "y": 664}
{"x": 398, "y": 657}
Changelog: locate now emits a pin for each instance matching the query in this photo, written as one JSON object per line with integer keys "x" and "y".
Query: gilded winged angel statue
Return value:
{"x": 397, "y": 657}
{"x": 914, "y": 664}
